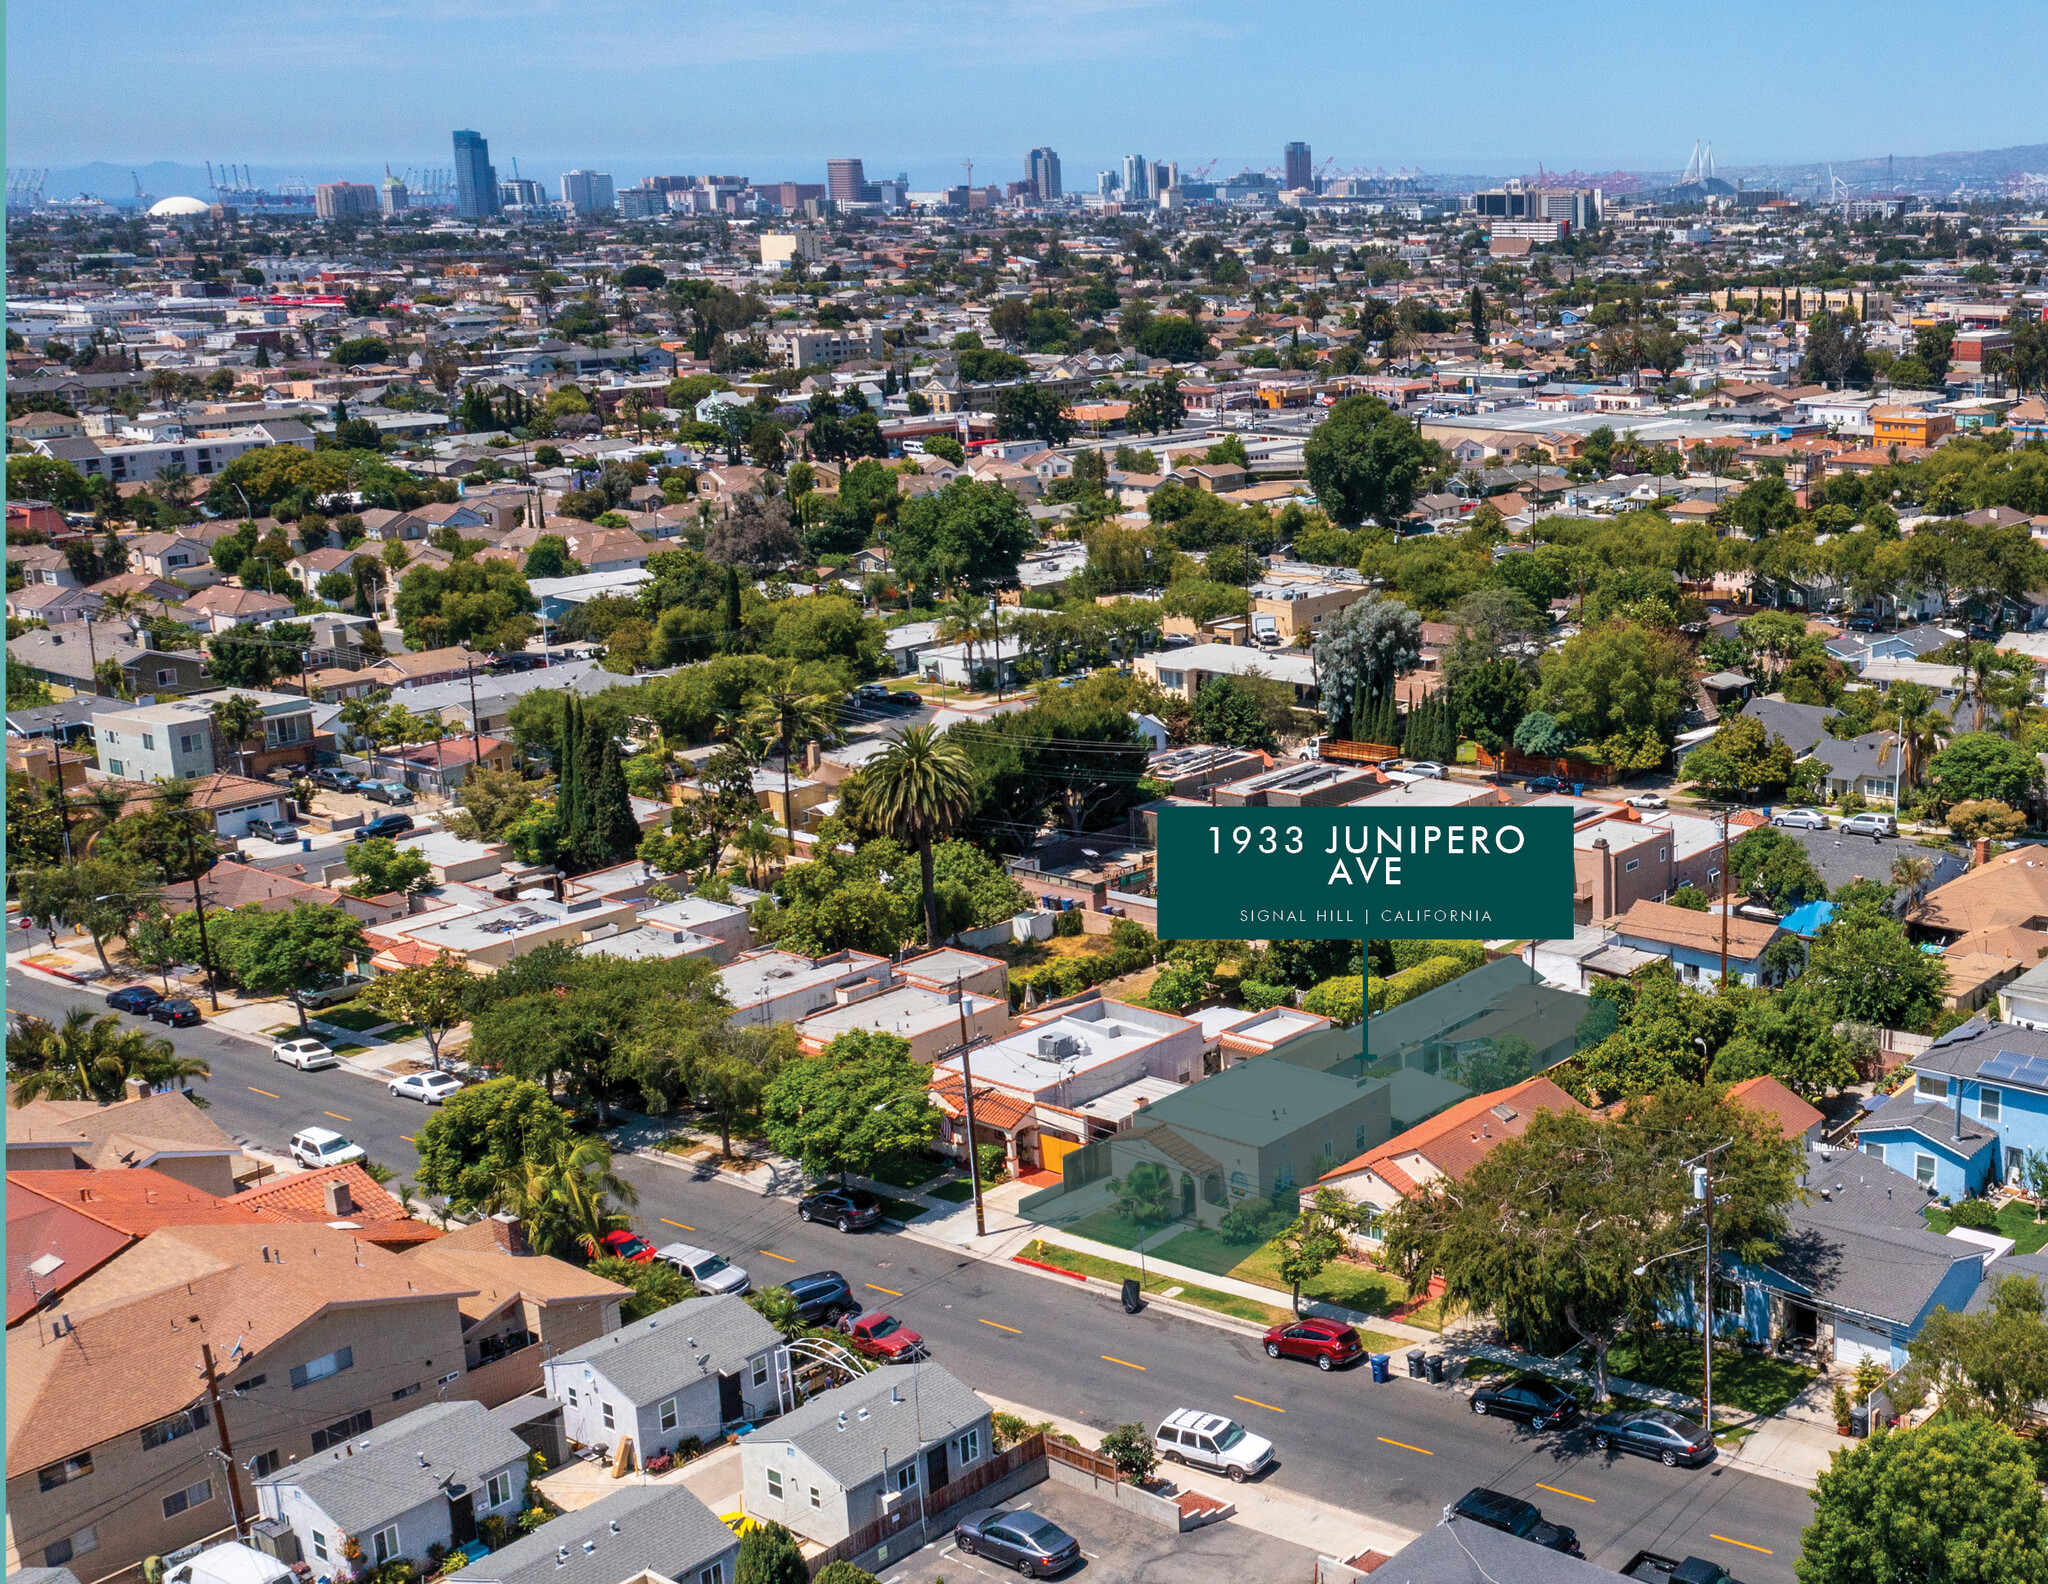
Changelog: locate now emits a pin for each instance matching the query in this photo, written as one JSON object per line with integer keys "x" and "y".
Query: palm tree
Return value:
{"x": 236, "y": 719}
{"x": 920, "y": 787}
{"x": 757, "y": 843}
{"x": 961, "y": 621}
{"x": 91, "y": 1056}
{"x": 360, "y": 716}
{"x": 1912, "y": 874}
{"x": 568, "y": 1198}
{"x": 791, "y": 717}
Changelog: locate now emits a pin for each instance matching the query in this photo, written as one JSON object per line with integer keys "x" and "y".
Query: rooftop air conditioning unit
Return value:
{"x": 1055, "y": 1045}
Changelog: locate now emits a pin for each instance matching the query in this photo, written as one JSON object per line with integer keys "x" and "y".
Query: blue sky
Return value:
{"x": 771, "y": 88}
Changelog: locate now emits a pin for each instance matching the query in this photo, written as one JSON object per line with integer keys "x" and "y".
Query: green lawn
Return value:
{"x": 2015, "y": 1221}
{"x": 909, "y": 1171}
{"x": 900, "y": 1209}
{"x": 1110, "y": 1270}
{"x": 1750, "y": 1383}
{"x": 1106, "y": 1226}
{"x": 953, "y": 1192}
{"x": 361, "y": 1019}
{"x": 1354, "y": 1286}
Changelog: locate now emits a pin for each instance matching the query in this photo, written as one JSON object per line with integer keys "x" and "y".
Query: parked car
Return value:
{"x": 883, "y": 1336}
{"x": 135, "y": 998}
{"x": 351, "y": 985}
{"x": 1651, "y": 1568}
{"x": 627, "y": 1246}
{"x": 906, "y": 699}
{"x": 176, "y": 1011}
{"x": 1211, "y": 1441}
{"x": 822, "y": 1298}
{"x": 384, "y": 825}
{"x": 1035, "y": 1546}
{"x": 1863, "y": 624}
{"x": 1428, "y": 769}
{"x": 1872, "y": 825}
{"x": 1325, "y": 1343}
{"x": 308, "y": 1055}
{"x": 1544, "y": 784}
{"x": 518, "y": 662}
{"x": 317, "y": 1146}
{"x": 335, "y": 780}
{"x": 393, "y": 792}
{"x": 1648, "y": 800}
{"x": 1801, "y": 819}
{"x": 430, "y": 1088}
{"x": 1654, "y": 1432}
{"x": 273, "y": 830}
{"x": 845, "y": 1208}
{"x": 1512, "y": 1515}
{"x": 713, "y": 1273}
{"x": 1533, "y": 1399}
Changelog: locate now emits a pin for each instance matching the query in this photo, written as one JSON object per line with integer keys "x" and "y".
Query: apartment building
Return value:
{"x": 156, "y": 742}
{"x": 811, "y": 347}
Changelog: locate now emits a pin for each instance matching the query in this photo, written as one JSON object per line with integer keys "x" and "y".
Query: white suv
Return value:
{"x": 315, "y": 1146}
{"x": 1871, "y": 825}
{"x": 1210, "y": 1441}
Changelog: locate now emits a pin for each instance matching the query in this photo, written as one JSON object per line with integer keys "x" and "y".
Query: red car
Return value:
{"x": 628, "y": 1246}
{"x": 883, "y": 1336}
{"x": 1326, "y": 1343}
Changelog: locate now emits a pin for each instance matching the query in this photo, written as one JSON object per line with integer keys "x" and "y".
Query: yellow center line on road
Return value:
{"x": 407, "y": 1137}
{"x": 1767, "y": 1551}
{"x": 337, "y": 1116}
{"x": 264, "y": 1092}
{"x": 1127, "y": 1364}
{"x": 783, "y": 1257}
{"x": 666, "y": 1222}
{"x": 1575, "y": 1496}
{"x": 1257, "y": 1404}
{"x": 1405, "y": 1447}
{"x": 891, "y": 1291}
{"x": 1001, "y": 1327}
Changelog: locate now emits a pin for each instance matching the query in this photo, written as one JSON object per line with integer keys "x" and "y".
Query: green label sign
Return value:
{"x": 1358, "y": 873}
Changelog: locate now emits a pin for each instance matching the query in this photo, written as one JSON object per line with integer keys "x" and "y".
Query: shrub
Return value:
{"x": 1072, "y": 922}
{"x": 1841, "y": 1407}
{"x": 1129, "y": 1447}
{"x": 1130, "y": 935}
{"x": 844, "y": 1573}
{"x": 1341, "y": 1000}
{"x": 1986, "y": 817}
{"x": 1258, "y": 997}
{"x": 1247, "y": 1221}
{"x": 1974, "y": 1213}
{"x": 1176, "y": 989}
{"x": 1010, "y": 1429}
{"x": 1425, "y": 976}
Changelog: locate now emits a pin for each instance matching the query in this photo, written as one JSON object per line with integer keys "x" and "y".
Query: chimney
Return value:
{"x": 508, "y": 1233}
{"x": 811, "y": 756}
{"x": 136, "y": 1089}
{"x": 340, "y": 1202}
{"x": 1980, "y": 852}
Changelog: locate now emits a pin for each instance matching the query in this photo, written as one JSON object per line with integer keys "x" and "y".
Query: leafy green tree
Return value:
{"x": 433, "y": 997}
{"x": 1130, "y": 1448}
{"x": 1361, "y": 652}
{"x": 784, "y": 709}
{"x": 1541, "y": 733}
{"x": 1992, "y": 1362}
{"x": 567, "y": 1197}
{"x": 1032, "y": 412}
{"x": 770, "y": 1555}
{"x": 484, "y": 603}
{"x": 307, "y": 948}
{"x": 1864, "y": 968}
{"x": 1987, "y": 817}
{"x": 1981, "y": 766}
{"x": 1955, "y": 1501}
{"x": 1489, "y": 700}
{"x": 1768, "y": 863}
{"x": 1742, "y": 757}
{"x": 1230, "y": 711}
{"x": 857, "y": 1102}
{"x": 550, "y": 558}
{"x": 654, "y": 1285}
{"x": 493, "y": 800}
{"x": 969, "y": 534}
{"x": 479, "y": 1134}
{"x": 1620, "y": 690}
{"x": 1313, "y": 1239}
{"x": 91, "y": 1055}
{"x": 101, "y": 896}
{"x": 381, "y": 867}
{"x": 1365, "y": 460}
{"x": 1145, "y": 1195}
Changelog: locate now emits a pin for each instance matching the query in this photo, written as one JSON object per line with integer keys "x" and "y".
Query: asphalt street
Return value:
{"x": 1400, "y": 1451}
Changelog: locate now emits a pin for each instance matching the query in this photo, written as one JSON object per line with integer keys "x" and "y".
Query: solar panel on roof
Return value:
{"x": 2035, "y": 1073}
{"x": 2005, "y": 1065}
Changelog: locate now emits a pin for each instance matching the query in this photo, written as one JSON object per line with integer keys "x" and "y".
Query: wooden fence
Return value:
{"x": 936, "y": 1503}
{"x": 1512, "y": 761}
{"x": 1337, "y": 749}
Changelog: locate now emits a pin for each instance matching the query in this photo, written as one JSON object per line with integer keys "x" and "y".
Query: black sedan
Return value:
{"x": 845, "y": 1208}
{"x": 1531, "y": 1399}
{"x": 1544, "y": 784}
{"x": 1036, "y": 1547}
{"x": 177, "y": 1012}
{"x": 136, "y": 998}
{"x": 1654, "y": 1432}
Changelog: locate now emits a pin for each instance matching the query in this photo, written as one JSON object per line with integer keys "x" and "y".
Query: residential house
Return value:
{"x": 1183, "y": 671}
{"x": 424, "y": 668}
{"x": 1620, "y": 859}
{"x": 686, "y": 1373}
{"x": 443, "y": 766}
{"x": 1282, "y": 612}
{"x": 932, "y": 1020}
{"x": 176, "y": 556}
{"x": 610, "y": 549}
{"x": 288, "y": 737}
{"x": 307, "y": 570}
{"x": 227, "y": 608}
{"x": 155, "y": 742}
{"x": 165, "y": 1133}
{"x": 1797, "y": 1121}
{"x": 1693, "y": 943}
{"x": 58, "y": 605}
{"x": 41, "y": 564}
{"x": 885, "y": 1442}
{"x": 318, "y": 1335}
{"x": 640, "y": 1534}
{"x": 424, "y": 1479}
{"x": 764, "y": 987}
{"x": 1996, "y": 1076}
{"x": 493, "y": 937}
{"x": 1909, "y": 426}
{"x": 383, "y": 525}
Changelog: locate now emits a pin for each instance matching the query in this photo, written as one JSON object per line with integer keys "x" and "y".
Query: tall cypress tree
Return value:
{"x": 613, "y": 828}
{"x": 566, "y": 792}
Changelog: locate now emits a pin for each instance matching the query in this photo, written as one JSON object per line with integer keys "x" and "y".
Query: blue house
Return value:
{"x": 1996, "y": 1075}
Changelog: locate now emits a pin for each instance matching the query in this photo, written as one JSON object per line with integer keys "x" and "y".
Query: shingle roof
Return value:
{"x": 120, "y": 1134}
{"x": 1765, "y": 1093}
{"x": 1462, "y": 1552}
{"x": 1931, "y": 1120}
{"x": 906, "y": 1407}
{"x": 1668, "y": 925}
{"x": 389, "y": 1470}
{"x": 661, "y": 1529}
{"x": 699, "y": 1336}
{"x": 476, "y": 1261}
{"x": 1456, "y": 1140}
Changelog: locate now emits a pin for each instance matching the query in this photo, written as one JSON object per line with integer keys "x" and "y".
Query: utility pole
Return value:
{"x": 967, "y": 1080}
{"x": 227, "y": 1450}
{"x": 476, "y": 752}
{"x": 63, "y": 804}
{"x": 1703, "y": 1190}
{"x": 1724, "y": 898}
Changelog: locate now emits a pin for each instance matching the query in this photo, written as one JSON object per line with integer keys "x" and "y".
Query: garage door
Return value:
{"x": 1855, "y": 1343}
{"x": 1053, "y": 1150}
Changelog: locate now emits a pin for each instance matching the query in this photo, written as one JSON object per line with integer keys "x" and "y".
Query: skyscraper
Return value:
{"x": 1301, "y": 170}
{"x": 476, "y": 183}
{"x": 1137, "y": 179}
{"x": 393, "y": 197}
{"x": 844, "y": 180}
{"x": 1043, "y": 167}
{"x": 588, "y": 192}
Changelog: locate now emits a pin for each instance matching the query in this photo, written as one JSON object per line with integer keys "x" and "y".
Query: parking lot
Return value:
{"x": 1119, "y": 1549}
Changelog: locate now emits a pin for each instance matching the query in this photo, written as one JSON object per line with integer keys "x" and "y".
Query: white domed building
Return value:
{"x": 180, "y": 208}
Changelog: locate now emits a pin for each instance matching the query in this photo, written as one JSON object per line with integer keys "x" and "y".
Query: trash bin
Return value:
{"x": 1859, "y": 1420}
{"x": 1132, "y": 1301}
{"x": 1415, "y": 1363}
{"x": 1435, "y": 1364}
{"x": 1381, "y": 1372}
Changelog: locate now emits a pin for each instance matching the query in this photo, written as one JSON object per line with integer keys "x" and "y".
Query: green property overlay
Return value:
{"x": 1356, "y": 873}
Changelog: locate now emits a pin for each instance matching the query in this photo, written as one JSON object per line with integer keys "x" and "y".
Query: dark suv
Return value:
{"x": 384, "y": 825}
{"x": 1531, "y": 1399}
{"x": 822, "y": 1297}
{"x": 1512, "y": 1515}
{"x": 845, "y": 1208}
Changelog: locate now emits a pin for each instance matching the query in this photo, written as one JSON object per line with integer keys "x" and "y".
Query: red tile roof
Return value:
{"x": 1457, "y": 1139}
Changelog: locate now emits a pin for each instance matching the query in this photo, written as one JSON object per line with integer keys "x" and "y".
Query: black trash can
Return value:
{"x": 1859, "y": 1420}
{"x": 1133, "y": 1302}
{"x": 1382, "y": 1371}
{"x": 1415, "y": 1363}
{"x": 1435, "y": 1364}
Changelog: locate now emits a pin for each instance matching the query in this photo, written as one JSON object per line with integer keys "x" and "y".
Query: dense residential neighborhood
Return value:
{"x": 591, "y": 993}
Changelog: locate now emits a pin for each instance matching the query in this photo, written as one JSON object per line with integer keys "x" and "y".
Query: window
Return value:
{"x": 149, "y": 739}
{"x": 172, "y": 1428}
{"x": 341, "y": 1430}
{"x": 188, "y": 742}
{"x": 320, "y": 1368}
{"x": 191, "y": 1496}
{"x": 67, "y": 1471}
{"x": 668, "y": 1414}
{"x": 572, "y": 1396}
{"x": 384, "y": 1543}
{"x": 714, "y": 1574}
{"x": 243, "y": 1388}
{"x": 114, "y": 767}
{"x": 284, "y": 731}
{"x": 1632, "y": 866}
{"x": 761, "y": 1370}
{"x": 817, "y": 1501}
{"x": 1930, "y": 1086}
{"x": 404, "y": 1392}
{"x": 905, "y": 1478}
{"x": 609, "y": 1422}
{"x": 1923, "y": 1166}
{"x": 1990, "y": 1104}
{"x": 499, "y": 1490}
{"x": 87, "y": 1539}
{"x": 1239, "y": 1183}
{"x": 775, "y": 1484}
{"x": 1212, "y": 1188}
{"x": 1175, "y": 680}
{"x": 265, "y": 1463}
{"x": 166, "y": 678}
{"x": 969, "y": 1446}
{"x": 319, "y": 1545}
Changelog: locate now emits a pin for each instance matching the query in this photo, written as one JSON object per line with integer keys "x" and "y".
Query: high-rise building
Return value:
{"x": 523, "y": 191}
{"x": 1137, "y": 179}
{"x": 476, "y": 183}
{"x": 588, "y": 192}
{"x": 1043, "y": 170}
{"x": 340, "y": 200}
{"x": 1165, "y": 174}
{"x": 844, "y": 180}
{"x": 641, "y": 203}
{"x": 393, "y": 197}
{"x": 1105, "y": 184}
{"x": 1300, "y": 167}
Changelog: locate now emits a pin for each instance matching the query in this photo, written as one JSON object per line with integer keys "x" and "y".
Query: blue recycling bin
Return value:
{"x": 1381, "y": 1373}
